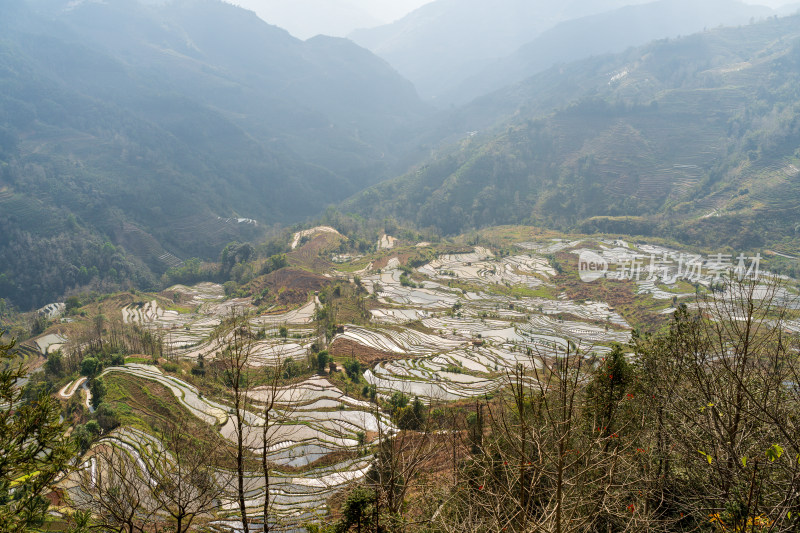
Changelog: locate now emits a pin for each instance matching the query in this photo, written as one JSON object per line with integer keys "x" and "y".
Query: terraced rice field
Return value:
{"x": 439, "y": 342}
{"x": 311, "y": 420}
{"x": 481, "y": 267}
{"x": 53, "y": 310}
{"x": 302, "y": 315}
{"x": 179, "y": 331}
{"x": 386, "y": 242}
{"x": 295, "y": 498}
{"x": 470, "y": 356}
{"x": 189, "y": 334}
{"x": 387, "y": 287}
{"x": 656, "y": 270}
{"x": 400, "y": 341}
{"x": 310, "y": 232}
{"x": 792, "y": 325}
{"x": 50, "y": 343}
{"x": 550, "y": 247}
{"x": 465, "y": 342}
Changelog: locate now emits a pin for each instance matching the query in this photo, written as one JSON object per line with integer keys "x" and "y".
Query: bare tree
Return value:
{"x": 116, "y": 487}
{"x": 552, "y": 452}
{"x": 276, "y": 408}
{"x": 401, "y": 455}
{"x": 186, "y": 483}
{"x": 234, "y": 359}
{"x": 723, "y": 385}
{"x": 267, "y": 411}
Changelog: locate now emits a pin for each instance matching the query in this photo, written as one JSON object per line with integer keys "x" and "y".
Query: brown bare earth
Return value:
{"x": 382, "y": 262}
{"x": 402, "y": 257}
{"x": 288, "y": 287}
{"x": 364, "y": 354}
{"x": 619, "y": 294}
{"x": 313, "y": 254}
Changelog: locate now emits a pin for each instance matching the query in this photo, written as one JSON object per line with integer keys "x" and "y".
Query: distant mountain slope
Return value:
{"x": 330, "y": 18}
{"x": 155, "y": 127}
{"x": 308, "y": 18}
{"x": 446, "y": 41}
{"x": 608, "y": 32}
{"x": 697, "y": 138}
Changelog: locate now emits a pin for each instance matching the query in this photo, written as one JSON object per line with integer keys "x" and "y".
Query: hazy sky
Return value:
{"x": 306, "y": 18}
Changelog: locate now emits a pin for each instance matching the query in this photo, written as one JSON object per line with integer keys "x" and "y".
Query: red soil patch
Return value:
{"x": 289, "y": 287}
{"x": 382, "y": 262}
{"x": 364, "y": 354}
{"x": 402, "y": 257}
{"x": 313, "y": 253}
{"x": 56, "y": 498}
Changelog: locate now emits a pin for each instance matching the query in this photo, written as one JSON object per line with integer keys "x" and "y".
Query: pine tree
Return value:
{"x": 34, "y": 450}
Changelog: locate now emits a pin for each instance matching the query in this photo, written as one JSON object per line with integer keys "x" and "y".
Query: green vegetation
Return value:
{"x": 684, "y": 135}
{"x": 694, "y": 430}
{"x": 103, "y": 140}
{"x": 322, "y": 361}
{"x": 353, "y": 369}
{"x": 485, "y": 392}
{"x": 34, "y": 450}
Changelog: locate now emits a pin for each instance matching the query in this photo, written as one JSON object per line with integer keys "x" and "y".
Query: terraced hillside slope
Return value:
{"x": 395, "y": 336}
{"x": 695, "y": 138}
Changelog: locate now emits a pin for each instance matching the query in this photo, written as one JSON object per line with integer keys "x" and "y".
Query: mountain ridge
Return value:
{"x": 690, "y": 137}
{"x": 603, "y": 33}
{"x": 170, "y": 118}
{"x": 449, "y": 40}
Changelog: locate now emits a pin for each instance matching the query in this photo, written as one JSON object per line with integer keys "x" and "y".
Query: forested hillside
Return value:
{"x": 695, "y": 138}
{"x": 136, "y": 136}
{"x": 167, "y": 130}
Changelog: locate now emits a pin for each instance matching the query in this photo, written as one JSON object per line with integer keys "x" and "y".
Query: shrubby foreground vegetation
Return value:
{"x": 694, "y": 428}
{"x": 697, "y": 431}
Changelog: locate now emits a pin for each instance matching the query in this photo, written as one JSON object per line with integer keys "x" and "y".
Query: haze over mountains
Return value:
{"x": 445, "y": 46}
{"x": 611, "y": 31}
{"x": 147, "y": 123}
{"x": 696, "y": 139}
{"x": 307, "y": 18}
{"x": 440, "y": 40}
